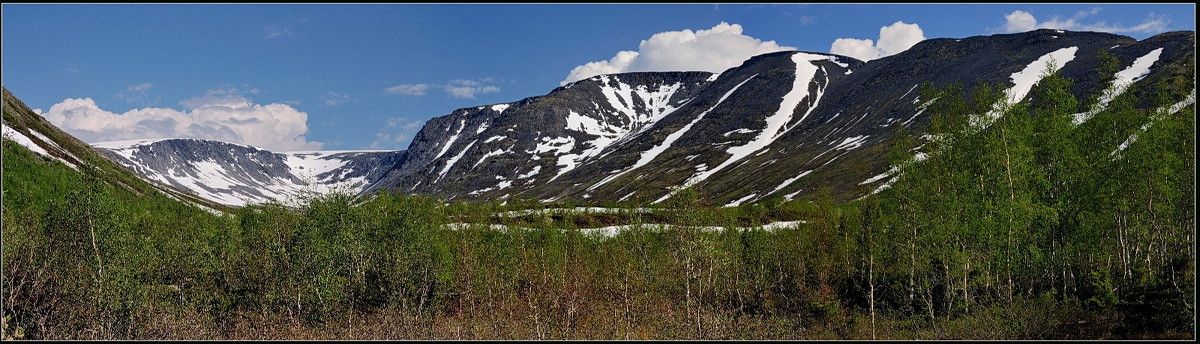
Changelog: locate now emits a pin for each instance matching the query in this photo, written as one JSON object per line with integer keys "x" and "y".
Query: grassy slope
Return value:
{"x": 18, "y": 116}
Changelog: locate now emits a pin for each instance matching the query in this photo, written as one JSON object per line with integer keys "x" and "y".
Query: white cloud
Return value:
{"x": 893, "y": 39}
{"x": 408, "y": 89}
{"x": 220, "y": 114}
{"x": 468, "y": 91}
{"x": 137, "y": 94}
{"x": 713, "y": 50}
{"x": 334, "y": 99}
{"x": 276, "y": 31}
{"x": 460, "y": 88}
{"x": 223, "y": 96}
{"x": 862, "y": 49}
{"x": 397, "y": 131}
{"x": 1021, "y": 21}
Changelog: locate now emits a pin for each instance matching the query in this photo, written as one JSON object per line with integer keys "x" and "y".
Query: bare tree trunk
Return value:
{"x": 96, "y": 249}
{"x": 1012, "y": 198}
{"x": 965, "y": 285}
{"x": 1121, "y": 221}
{"x": 628, "y": 321}
{"x": 871, "y": 282}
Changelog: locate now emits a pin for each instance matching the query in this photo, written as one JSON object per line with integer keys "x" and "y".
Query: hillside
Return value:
{"x": 781, "y": 125}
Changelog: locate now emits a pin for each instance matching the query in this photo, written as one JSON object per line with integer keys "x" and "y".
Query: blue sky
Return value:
{"x": 310, "y": 76}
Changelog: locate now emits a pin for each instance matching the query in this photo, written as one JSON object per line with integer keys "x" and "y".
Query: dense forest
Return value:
{"x": 1031, "y": 227}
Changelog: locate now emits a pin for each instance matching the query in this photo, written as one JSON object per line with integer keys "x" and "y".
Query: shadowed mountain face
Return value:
{"x": 781, "y": 125}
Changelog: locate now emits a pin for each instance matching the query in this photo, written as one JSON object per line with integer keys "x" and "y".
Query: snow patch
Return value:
{"x": 462, "y": 124}
{"x": 623, "y": 198}
{"x": 652, "y": 153}
{"x": 488, "y": 155}
{"x": 875, "y": 178}
{"x": 450, "y": 163}
{"x": 561, "y": 145}
{"x": 740, "y": 200}
{"x": 852, "y": 142}
{"x": 499, "y": 186}
{"x": 1121, "y": 82}
{"x": 21, "y": 139}
{"x": 789, "y": 181}
{"x": 738, "y": 131}
{"x": 1159, "y": 113}
{"x": 1024, "y": 81}
{"x": 531, "y": 173}
{"x": 806, "y": 72}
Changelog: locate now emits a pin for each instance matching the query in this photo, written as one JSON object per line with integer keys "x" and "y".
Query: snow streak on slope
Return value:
{"x": 488, "y": 155}
{"x": 450, "y": 163}
{"x": 652, "y": 153}
{"x": 531, "y": 173}
{"x": 631, "y": 121}
{"x": 55, "y": 147}
{"x": 1138, "y": 70}
{"x": 852, "y": 142}
{"x": 1191, "y": 99}
{"x": 740, "y": 200}
{"x": 462, "y": 124}
{"x": 806, "y": 71}
{"x": 21, "y": 139}
{"x": 1024, "y": 81}
{"x": 876, "y": 178}
{"x": 789, "y": 182}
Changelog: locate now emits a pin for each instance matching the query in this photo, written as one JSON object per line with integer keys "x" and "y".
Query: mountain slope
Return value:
{"x": 53, "y": 146}
{"x": 781, "y": 125}
{"x": 489, "y": 151}
{"x": 236, "y": 174}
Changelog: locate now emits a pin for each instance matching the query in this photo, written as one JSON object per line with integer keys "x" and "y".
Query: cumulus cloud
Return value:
{"x": 713, "y": 50}
{"x": 1021, "y": 21}
{"x": 461, "y": 88}
{"x": 221, "y": 114}
{"x": 862, "y": 49}
{"x": 893, "y": 39}
{"x": 397, "y": 131}
{"x": 139, "y": 93}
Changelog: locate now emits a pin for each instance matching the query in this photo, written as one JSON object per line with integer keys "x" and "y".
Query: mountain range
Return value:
{"x": 782, "y": 125}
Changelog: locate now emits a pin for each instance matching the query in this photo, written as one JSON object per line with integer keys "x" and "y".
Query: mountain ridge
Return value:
{"x": 781, "y": 125}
